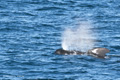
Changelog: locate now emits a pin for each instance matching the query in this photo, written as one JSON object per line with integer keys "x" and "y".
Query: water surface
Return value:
{"x": 30, "y": 32}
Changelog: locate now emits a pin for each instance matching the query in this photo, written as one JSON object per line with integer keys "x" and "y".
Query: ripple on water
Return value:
{"x": 30, "y": 32}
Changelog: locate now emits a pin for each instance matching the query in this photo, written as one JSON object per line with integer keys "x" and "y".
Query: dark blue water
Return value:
{"x": 30, "y": 32}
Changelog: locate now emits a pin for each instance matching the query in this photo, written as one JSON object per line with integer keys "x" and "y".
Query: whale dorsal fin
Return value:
{"x": 100, "y": 52}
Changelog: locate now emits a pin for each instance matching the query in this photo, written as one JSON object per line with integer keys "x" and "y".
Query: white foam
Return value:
{"x": 74, "y": 53}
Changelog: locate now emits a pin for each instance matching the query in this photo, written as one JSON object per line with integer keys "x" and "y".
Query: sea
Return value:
{"x": 32, "y": 30}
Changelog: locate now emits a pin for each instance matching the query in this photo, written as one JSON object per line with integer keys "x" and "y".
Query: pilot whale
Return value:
{"x": 96, "y": 52}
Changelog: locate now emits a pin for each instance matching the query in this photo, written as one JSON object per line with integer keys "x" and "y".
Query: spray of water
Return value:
{"x": 80, "y": 38}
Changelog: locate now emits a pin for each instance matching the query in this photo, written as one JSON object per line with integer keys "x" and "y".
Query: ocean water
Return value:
{"x": 31, "y": 31}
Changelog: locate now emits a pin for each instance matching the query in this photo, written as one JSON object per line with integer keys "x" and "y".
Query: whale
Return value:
{"x": 96, "y": 52}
